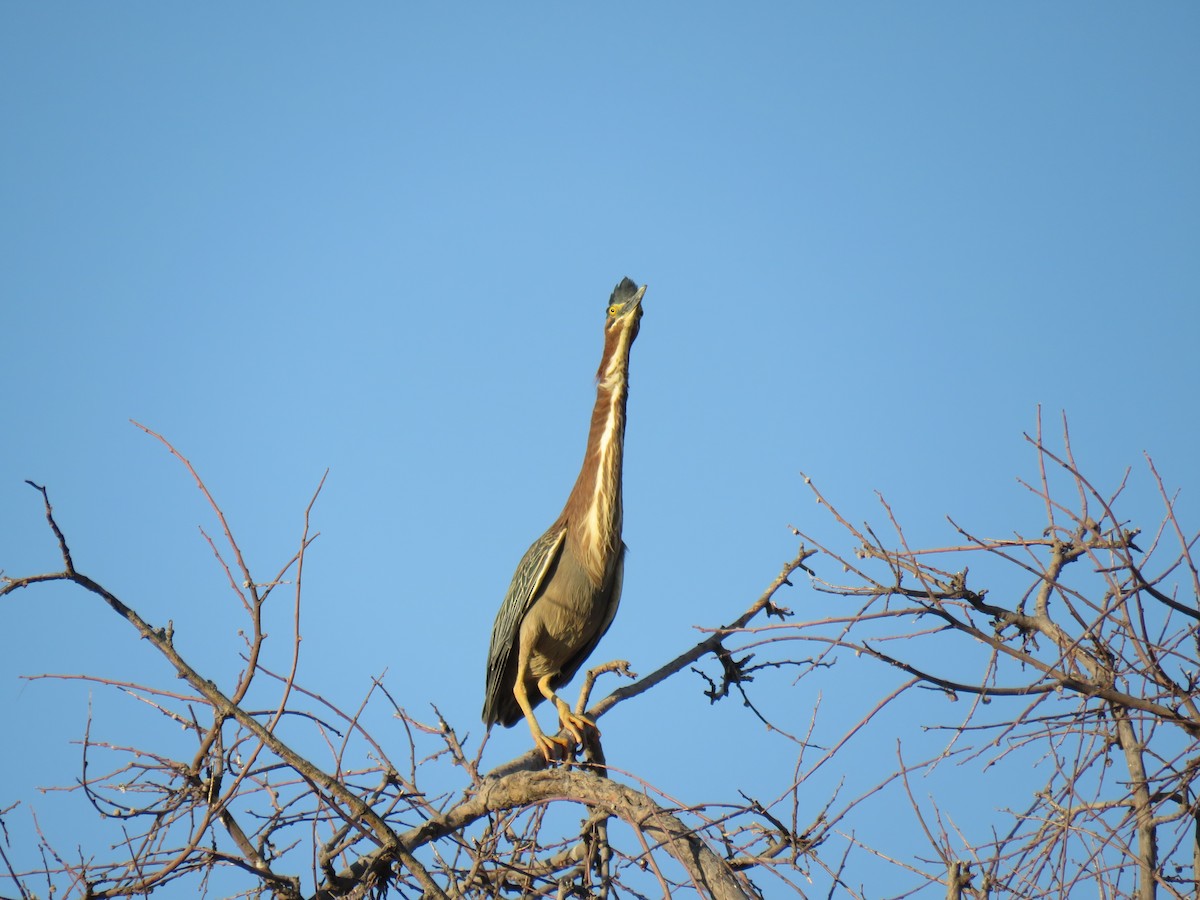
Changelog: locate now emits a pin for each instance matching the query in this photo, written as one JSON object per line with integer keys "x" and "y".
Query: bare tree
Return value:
{"x": 356, "y": 821}
{"x": 1092, "y": 663}
{"x": 1085, "y": 651}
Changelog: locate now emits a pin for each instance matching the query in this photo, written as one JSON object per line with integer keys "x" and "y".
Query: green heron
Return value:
{"x": 565, "y": 591}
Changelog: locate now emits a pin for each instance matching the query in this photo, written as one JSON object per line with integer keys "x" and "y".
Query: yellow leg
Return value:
{"x": 552, "y": 748}
{"x": 575, "y": 724}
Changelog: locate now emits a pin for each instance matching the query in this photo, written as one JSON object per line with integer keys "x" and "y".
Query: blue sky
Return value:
{"x": 379, "y": 240}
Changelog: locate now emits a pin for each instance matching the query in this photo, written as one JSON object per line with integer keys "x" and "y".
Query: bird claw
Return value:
{"x": 554, "y": 749}
{"x": 573, "y": 732}
{"x": 578, "y": 726}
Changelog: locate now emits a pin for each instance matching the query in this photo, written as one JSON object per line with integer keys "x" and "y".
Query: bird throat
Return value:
{"x": 595, "y": 502}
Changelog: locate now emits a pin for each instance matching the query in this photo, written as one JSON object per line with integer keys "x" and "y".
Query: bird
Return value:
{"x": 566, "y": 589}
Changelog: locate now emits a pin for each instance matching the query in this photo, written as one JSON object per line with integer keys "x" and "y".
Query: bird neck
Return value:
{"x": 594, "y": 511}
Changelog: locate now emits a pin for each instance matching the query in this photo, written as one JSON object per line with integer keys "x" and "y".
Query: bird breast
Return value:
{"x": 566, "y": 617}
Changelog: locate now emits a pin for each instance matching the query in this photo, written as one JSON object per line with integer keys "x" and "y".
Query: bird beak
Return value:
{"x": 635, "y": 302}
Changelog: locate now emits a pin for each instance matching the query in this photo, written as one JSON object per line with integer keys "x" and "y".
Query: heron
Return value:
{"x": 565, "y": 591}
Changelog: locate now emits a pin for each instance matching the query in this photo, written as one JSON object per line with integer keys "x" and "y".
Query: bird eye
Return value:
{"x": 612, "y": 310}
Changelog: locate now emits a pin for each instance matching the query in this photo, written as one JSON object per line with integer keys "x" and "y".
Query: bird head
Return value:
{"x": 625, "y": 308}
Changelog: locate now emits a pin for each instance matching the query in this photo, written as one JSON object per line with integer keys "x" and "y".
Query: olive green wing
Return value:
{"x": 499, "y": 704}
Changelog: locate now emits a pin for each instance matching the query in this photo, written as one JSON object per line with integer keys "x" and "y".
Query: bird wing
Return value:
{"x": 611, "y": 601}
{"x": 526, "y": 585}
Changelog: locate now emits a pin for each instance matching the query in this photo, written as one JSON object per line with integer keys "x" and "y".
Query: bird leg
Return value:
{"x": 552, "y": 748}
{"x": 574, "y": 723}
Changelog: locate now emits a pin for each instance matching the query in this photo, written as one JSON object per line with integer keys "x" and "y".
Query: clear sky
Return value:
{"x": 379, "y": 238}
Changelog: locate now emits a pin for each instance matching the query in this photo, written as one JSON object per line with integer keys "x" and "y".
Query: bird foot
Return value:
{"x": 576, "y": 725}
{"x": 573, "y": 731}
{"x": 554, "y": 749}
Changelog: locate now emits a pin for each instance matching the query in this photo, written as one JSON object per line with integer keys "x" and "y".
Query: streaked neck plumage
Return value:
{"x": 594, "y": 506}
